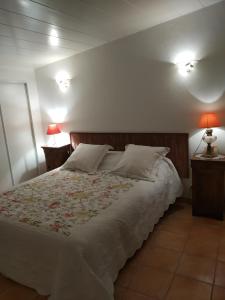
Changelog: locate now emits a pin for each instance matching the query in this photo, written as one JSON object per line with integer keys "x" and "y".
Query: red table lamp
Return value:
{"x": 52, "y": 130}
{"x": 209, "y": 120}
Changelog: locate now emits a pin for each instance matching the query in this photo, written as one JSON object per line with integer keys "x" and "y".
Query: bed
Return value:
{"x": 75, "y": 251}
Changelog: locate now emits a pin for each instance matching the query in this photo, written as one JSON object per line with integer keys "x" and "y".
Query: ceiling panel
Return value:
{"x": 76, "y": 9}
{"x": 111, "y": 8}
{"x": 24, "y": 45}
{"x": 167, "y": 9}
{"x": 49, "y": 16}
{"x": 114, "y": 19}
{"x": 42, "y": 31}
{"x": 108, "y": 19}
{"x": 29, "y": 24}
{"x": 209, "y": 2}
{"x": 40, "y": 39}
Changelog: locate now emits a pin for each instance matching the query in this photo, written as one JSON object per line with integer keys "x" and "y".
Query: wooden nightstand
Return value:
{"x": 208, "y": 187}
{"x": 56, "y": 156}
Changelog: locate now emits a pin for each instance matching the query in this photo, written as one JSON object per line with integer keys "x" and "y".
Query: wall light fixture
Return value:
{"x": 186, "y": 67}
{"x": 185, "y": 62}
{"x": 63, "y": 80}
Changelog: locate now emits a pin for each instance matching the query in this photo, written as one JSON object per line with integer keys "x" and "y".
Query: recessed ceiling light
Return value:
{"x": 53, "y": 39}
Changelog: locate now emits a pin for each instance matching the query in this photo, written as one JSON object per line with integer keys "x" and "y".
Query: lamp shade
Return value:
{"x": 209, "y": 120}
{"x": 53, "y": 129}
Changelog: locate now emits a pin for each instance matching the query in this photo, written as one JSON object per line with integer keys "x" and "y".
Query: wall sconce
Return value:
{"x": 185, "y": 62}
{"x": 186, "y": 67}
{"x": 63, "y": 80}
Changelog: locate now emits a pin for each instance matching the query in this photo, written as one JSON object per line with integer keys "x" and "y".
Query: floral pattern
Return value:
{"x": 59, "y": 200}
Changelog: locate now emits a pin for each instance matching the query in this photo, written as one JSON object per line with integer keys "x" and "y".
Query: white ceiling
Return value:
{"x": 37, "y": 32}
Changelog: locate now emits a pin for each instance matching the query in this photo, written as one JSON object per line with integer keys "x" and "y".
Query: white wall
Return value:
{"x": 133, "y": 85}
{"x": 27, "y": 75}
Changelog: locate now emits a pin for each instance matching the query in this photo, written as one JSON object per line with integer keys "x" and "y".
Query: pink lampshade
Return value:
{"x": 53, "y": 129}
{"x": 209, "y": 120}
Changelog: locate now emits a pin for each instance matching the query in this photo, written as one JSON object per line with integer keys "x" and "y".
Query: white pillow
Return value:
{"x": 86, "y": 157}
{"x": 160, "y": 150}
{"x": 110, "y": 160}
{"x": 137, "y": 162}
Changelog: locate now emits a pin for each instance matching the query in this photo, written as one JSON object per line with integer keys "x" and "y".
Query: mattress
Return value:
{"x": 67, "y": 234}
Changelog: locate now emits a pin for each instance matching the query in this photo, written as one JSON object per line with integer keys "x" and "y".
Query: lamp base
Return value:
{"x": 210, "y": 151}
{"x": 209, "y": 139}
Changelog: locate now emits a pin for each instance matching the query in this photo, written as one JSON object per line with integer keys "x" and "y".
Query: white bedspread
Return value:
{"x": 84, "y": 265}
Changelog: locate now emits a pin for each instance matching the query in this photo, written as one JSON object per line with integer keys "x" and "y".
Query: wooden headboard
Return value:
{"x": 178, "y": 143}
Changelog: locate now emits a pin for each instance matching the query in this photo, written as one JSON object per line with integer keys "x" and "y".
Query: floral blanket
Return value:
{"x": 59, "y": 200}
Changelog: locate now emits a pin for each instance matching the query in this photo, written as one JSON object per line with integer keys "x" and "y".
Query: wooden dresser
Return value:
{"x": 208, "y": 187}
{"x": 56, "y": 156}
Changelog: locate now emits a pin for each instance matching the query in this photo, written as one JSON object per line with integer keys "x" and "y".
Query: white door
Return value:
{"x": 17, "y": 123}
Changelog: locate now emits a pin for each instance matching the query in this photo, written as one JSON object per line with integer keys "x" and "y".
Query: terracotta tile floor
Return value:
{"x": 183, "y": 259}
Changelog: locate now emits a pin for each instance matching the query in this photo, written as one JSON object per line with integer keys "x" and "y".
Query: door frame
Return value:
{"x": 26, "y": 90}
{"x": 6, "y": 145}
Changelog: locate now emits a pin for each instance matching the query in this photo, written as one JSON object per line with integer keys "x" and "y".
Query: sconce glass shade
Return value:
{"x": 209, "y": 120}
{"x": 186, "y": 67}
{"x": 63, "y": 80}
{"x": 53, "y": 129}
{"x": 190, "y": 66}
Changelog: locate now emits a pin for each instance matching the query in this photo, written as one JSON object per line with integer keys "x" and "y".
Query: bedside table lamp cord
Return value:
{"x": 199, "y": 143}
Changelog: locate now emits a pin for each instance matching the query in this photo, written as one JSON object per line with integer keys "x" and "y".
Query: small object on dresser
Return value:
{"x": 56, "y": 156}
{"x": 208, "y": 186}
